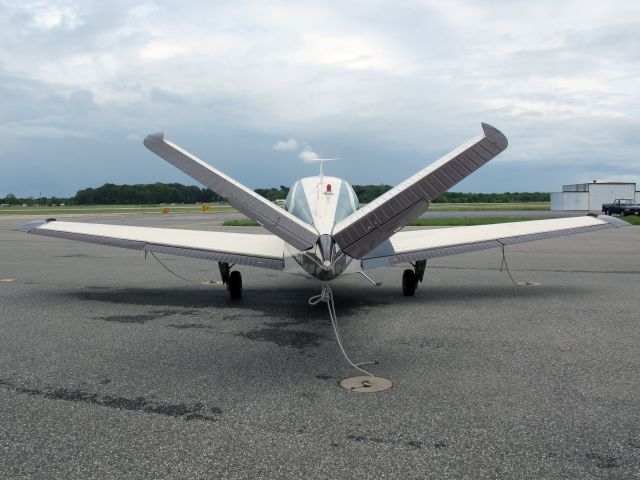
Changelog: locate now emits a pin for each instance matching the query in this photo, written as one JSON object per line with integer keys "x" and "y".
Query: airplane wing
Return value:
{"x": 365, "y": 229}
{"x": 275, "y": 219}
{"x": 254, "y": 250}
{"x": 413, "y": 245}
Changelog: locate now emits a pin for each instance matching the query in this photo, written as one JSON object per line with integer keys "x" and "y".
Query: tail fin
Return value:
{"x": 368, "y": 227}
{"x": 275, "y": 219}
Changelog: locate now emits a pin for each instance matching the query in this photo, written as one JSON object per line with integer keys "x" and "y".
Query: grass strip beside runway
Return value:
{"x": 443, "y": 222}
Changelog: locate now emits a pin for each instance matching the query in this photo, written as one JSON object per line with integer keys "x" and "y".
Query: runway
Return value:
{"x": 112, "y": 368}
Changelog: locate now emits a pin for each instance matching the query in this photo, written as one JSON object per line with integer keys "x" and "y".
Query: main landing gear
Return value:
{"x": 233, "y": 280}
{"x": 410, "y": 278}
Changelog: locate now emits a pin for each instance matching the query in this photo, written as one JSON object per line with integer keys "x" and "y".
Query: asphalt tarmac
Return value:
{"x": 110, "y": 367}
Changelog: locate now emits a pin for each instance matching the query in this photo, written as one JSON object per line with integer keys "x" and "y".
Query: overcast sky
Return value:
{"x": 251, "y": 86}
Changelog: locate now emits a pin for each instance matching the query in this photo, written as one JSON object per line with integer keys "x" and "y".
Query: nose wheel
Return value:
{"x": 233, "y": 280}
{"x": 411, "y": 278}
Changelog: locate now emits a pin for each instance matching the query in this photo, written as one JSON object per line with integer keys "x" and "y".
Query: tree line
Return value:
{"x": 507, "y": 197}
{"x": 110, "y": 194}
{"x": 155, "y": 193}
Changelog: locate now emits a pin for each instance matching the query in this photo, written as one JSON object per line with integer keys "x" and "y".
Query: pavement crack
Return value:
{"x": 146, "y": 317}
{"x": 186, "y": 326}
{"x": 140, "y": 319}
{"x": 184, "y": 411}
{"x": 415, "y": 444}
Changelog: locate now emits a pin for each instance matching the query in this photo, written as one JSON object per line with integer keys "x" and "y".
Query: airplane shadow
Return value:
{"x": 291, "y": 302}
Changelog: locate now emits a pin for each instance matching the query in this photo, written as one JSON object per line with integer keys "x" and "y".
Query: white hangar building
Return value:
{"x": 591, "y": 196}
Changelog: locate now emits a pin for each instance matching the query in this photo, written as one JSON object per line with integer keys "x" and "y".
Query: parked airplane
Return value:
{"x": 322, "y": 232}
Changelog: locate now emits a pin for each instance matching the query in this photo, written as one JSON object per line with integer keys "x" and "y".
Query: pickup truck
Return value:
{"x": 621, "y": 206}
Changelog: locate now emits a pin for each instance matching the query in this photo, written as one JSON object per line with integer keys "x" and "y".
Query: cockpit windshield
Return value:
{"x": 347, "y": 202}
{"x": 297, "y": 203}
{"x": 321, "y": 203}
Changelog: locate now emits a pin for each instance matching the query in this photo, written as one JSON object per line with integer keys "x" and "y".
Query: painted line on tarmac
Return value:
{"x": 214, "y": 223}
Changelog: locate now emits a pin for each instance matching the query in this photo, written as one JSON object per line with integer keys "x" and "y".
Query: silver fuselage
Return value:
{"x": 321, "y": 202}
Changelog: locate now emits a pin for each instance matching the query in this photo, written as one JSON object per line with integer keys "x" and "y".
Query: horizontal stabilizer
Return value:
{"x": 365, "y": 229}
{"x": 275, "y": 219}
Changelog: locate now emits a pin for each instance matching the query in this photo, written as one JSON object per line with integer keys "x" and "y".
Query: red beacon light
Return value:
{"x": 328, "y": 188}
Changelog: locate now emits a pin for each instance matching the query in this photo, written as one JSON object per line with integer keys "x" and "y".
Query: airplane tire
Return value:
{"x": 235, "y": 284}
{"x": 408, "y": 283}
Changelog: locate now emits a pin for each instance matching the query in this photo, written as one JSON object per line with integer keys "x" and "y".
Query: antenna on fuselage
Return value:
{"x": 322, "y": 160}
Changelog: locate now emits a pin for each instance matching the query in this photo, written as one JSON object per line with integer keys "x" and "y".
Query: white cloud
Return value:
{"x": 51, "y": 17}
{"x": 161, "y": 51}
{"x": 347, "y": 51}
{"x": 287, "y": 145}
{"x": 143, "y": 10}
{"x": 308, "y": 155}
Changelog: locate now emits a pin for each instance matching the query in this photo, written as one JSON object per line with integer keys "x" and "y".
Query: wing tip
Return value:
{"x": 153, "y": 139}
{"x": 495, "y": 136}
{"x": 32, "y": 225}
{"x": 613, "y": 221}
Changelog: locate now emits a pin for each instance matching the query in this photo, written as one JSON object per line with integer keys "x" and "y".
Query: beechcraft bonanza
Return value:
{"x": 322, "y": 233}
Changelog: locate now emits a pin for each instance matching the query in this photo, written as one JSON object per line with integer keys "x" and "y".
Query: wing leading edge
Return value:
{"x": 413, "y": 245}
{"x": 365, "y": 229}
{"x": 253, "y": 250}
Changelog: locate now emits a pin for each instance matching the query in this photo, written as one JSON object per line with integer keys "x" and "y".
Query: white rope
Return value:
{"x": 506, "y": 267}
{"x": 326, "y": 295}
{"x": 172, "y": 272}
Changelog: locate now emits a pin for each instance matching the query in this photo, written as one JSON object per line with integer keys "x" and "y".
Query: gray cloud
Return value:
{"x": 387, "y": 87}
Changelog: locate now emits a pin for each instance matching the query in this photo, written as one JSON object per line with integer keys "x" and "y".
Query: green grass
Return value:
{"x": 471, "y": 207}
{"x": 466, "y": 221}
{"x": 240, "y": 223}
{"x": 112, "y": 209}
{"x": 155, "y": 209}
{"x": 632, "y": 219}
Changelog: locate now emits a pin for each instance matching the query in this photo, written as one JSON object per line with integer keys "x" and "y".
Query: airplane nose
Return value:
{"x": 326, "y": 265}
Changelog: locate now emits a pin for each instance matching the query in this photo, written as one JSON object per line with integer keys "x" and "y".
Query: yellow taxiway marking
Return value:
{"x": 7, "y": 280}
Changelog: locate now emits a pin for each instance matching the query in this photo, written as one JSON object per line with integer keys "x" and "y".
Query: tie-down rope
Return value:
{"x": 172, "y": 272}
{"x": 326, "y": 295}
{"x": 506, "y": 267}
